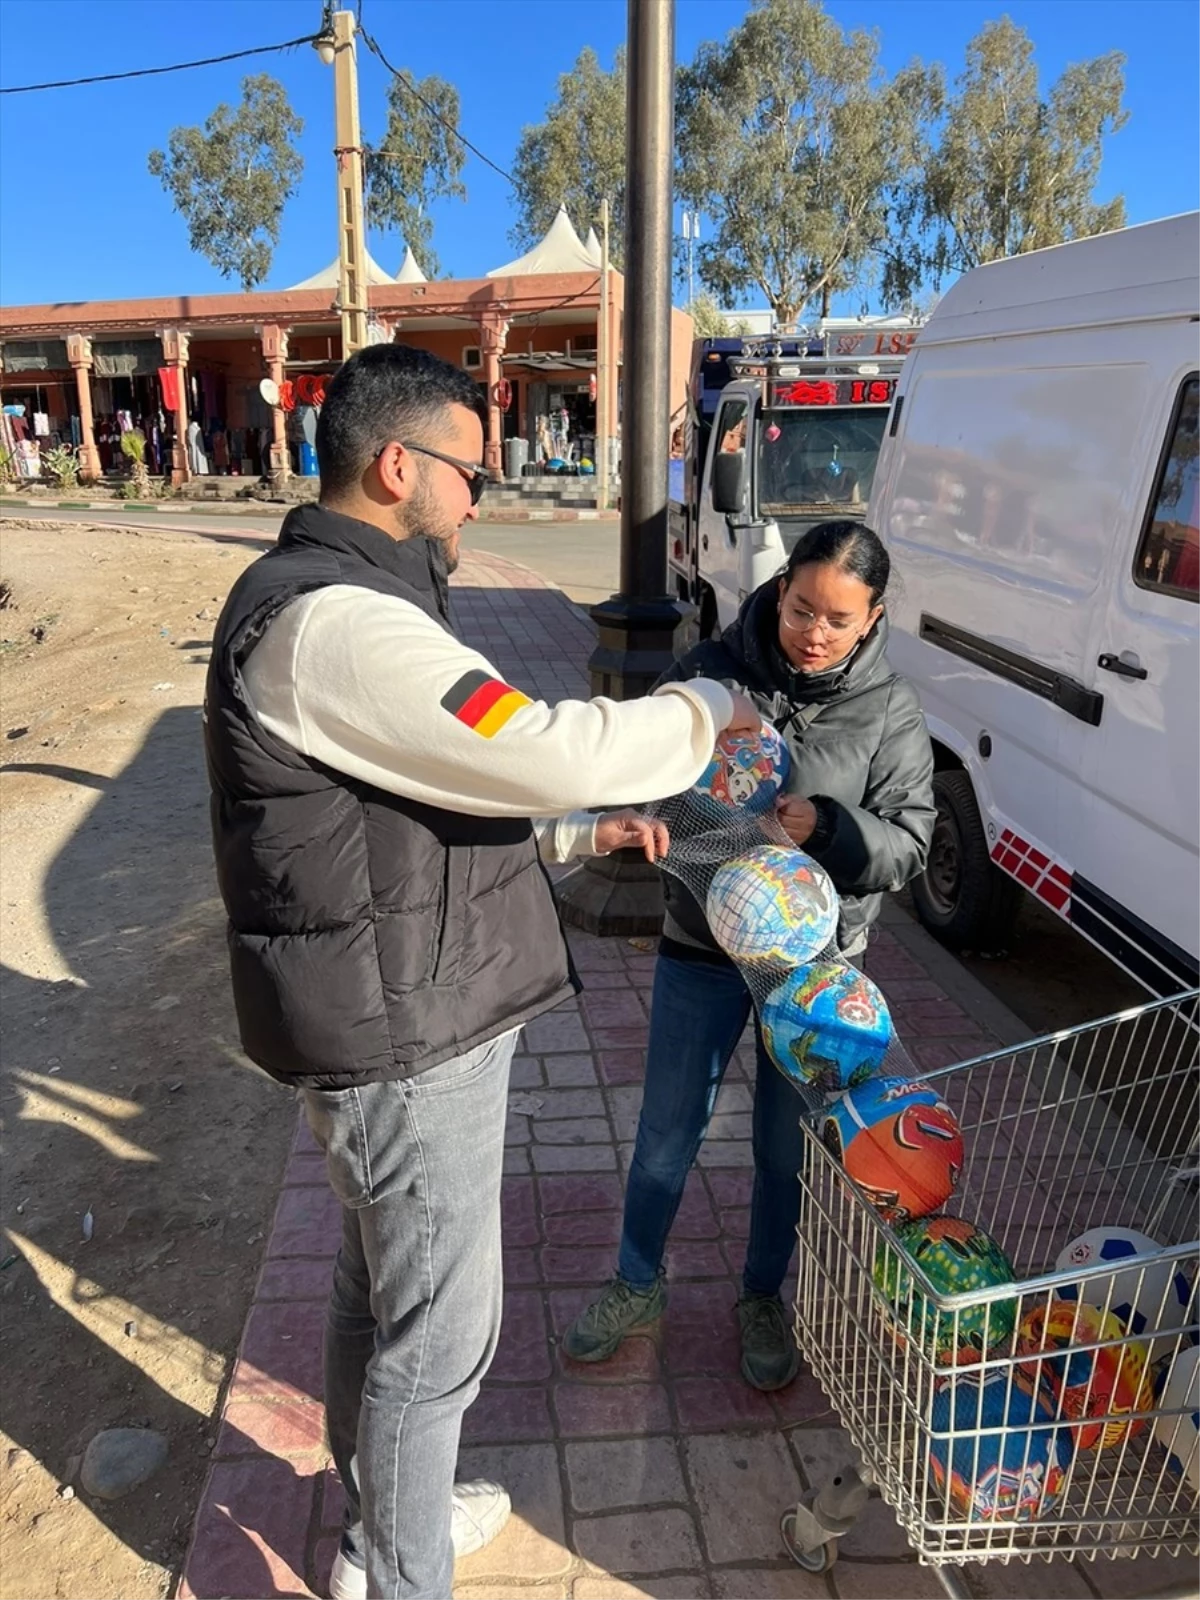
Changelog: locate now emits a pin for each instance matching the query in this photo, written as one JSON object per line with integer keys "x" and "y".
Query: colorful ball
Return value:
{"x": 747, "y": 771}
{"x": 1144, "y": 1298}
{"x": 1094, "y": 1388}
{"x": 772, "y": 905}
{"x": 957, "y": 1257}
{"x": 992, "y": 1449}
{"x": 1180, "y": 1435}
{"x": 900, "y": 1142}
{"x": 826, "y": 1026}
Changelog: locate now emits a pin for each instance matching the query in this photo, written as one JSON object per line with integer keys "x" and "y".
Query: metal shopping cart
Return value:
{"x": 1092, "y": 1128}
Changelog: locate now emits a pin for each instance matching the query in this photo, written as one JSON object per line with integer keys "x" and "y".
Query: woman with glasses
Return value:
{"x": 809, "y": 649}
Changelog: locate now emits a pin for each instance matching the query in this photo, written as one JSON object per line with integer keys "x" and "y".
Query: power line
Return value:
{"x": 262, "y": 50}
{"x": 407, "y": 83}
{"x": 154, "y": 72}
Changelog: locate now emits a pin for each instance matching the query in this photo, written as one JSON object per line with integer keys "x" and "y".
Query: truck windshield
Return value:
{"x": 815, "y": 459}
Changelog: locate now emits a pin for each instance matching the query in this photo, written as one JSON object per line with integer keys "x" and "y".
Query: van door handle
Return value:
{"x": 1125, "y": 665}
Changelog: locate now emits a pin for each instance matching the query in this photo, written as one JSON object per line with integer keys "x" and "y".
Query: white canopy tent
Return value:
{"x": 410, "y": 272}
{"x": 562, "y": 250}
{"x": 328, "y": 277}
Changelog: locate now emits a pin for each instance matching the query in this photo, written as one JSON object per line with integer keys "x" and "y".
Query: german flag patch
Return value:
{"x": 483, "y": 703}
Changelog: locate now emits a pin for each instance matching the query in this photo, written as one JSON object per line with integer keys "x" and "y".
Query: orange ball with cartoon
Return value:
{"x": 1097, "y": 1388}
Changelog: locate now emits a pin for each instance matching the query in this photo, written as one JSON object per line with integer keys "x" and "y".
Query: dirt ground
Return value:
{"x": 124, "y": 1093}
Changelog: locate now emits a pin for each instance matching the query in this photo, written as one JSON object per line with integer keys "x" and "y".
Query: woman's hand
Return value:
{"x": 797, "y": 817}
{"x": 629, "y": 830}
{"x": 747, "y": 718}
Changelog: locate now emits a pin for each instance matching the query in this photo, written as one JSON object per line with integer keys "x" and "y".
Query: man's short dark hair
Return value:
{"x": 386, "y": 392}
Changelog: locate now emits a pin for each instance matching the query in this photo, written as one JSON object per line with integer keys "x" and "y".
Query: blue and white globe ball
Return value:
{"x": 1144, "y": 1298}
{"x": 747, "y": 772}
{"x": 772, "y": 905}
{"x": 1178, "y": 1429}
{"x": 826, "y": 1026}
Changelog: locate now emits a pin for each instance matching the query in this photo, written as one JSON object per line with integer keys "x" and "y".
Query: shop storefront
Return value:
{"x": 559, "y": 413}
{"x": 188, "y": 370}
{"x": 41, "y": 410}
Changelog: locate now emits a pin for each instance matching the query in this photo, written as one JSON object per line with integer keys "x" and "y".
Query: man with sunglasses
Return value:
{"x": 391, "y": 926}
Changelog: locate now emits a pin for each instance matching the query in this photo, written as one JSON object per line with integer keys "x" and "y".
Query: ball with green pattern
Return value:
{"x": 957, "y": 1257}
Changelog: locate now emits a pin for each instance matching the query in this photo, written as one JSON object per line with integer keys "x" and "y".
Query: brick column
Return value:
{"x": 493, "y": 332}
{"x": 175, "y": 354}
{"x": 79, "y": 354}
{"x": 275, "y": 353}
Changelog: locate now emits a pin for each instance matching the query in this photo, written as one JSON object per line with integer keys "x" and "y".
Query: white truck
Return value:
{"x": 1038, "y": 489}
{"x": 782, "y": 433}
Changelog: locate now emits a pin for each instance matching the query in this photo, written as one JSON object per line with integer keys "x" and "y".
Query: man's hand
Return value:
{"x": 796, "y": 817}
{"x": 629, "y": 830}
{"x": 747, "y": 718}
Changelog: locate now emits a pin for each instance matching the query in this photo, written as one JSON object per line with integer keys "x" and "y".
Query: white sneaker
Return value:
{"x": 347, "y": 1581}
{"x": 479, "y": 1511}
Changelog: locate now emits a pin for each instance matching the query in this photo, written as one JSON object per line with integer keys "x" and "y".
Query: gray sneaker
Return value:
{"x": 598, "y": 1332}
{"x": 770, "y": 1359}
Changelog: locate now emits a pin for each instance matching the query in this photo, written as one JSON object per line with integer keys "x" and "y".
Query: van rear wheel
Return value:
{"x": 963, "y": 899}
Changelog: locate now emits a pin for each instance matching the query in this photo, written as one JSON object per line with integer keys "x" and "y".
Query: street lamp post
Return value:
{"x": 605, "y": 365}
{"x": 615, "y": 894}
{"x": 335, "y": 46}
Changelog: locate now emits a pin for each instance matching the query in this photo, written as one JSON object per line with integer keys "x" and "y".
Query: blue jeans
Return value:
{"x": 415, "y": 1311}
{"x": 697, "y": 1015}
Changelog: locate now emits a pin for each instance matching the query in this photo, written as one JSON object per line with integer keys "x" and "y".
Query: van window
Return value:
{"x": 1169, "y": 557}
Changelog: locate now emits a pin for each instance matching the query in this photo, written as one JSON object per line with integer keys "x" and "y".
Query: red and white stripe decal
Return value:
{"x": 1035, "y": 870}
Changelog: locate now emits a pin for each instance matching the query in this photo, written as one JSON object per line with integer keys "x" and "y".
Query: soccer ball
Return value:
{"x": 1180, "y": 1435}
{"x": 993, "y": 1449}
{"x": 1152, "y": 1295}
{"x": 900, "y": 1142}
{"x": 956, "y": 1257}
{"x": 826, "y": 1026}
{"x": 1094, "y": 1388}
{"x": 746, "y": 773}
{"x": 772, "y": 905}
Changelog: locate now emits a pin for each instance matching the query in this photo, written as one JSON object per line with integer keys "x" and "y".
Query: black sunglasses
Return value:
{"x": 475, "y": 475}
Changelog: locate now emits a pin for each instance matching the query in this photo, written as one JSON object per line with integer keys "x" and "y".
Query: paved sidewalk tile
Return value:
{"x": 639, "y": 1541}
{"x": 742, "y": 1483}
{"x": 629, "y": 1472}
{"x": 659, "y": 1474}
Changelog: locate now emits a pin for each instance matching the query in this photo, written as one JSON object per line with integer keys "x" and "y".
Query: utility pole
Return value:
{"x": 616, "y": 894}
{"x": 336, "y": 46}
{"x": 604, "y": 364}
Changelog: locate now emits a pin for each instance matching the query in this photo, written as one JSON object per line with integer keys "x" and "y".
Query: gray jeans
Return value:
{"x": 415, "y": 1311}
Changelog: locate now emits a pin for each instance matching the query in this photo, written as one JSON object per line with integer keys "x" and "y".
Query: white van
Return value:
{"x": 1038, "y": 488}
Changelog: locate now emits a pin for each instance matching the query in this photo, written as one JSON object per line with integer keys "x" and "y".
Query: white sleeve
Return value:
{"x": 563, "y": 839}
{"x": 371, "y": 686}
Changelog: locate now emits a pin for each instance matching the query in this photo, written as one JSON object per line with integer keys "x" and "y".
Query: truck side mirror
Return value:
{"x": 729, "y": 482}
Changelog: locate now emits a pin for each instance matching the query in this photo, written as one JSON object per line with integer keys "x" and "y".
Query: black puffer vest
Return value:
{"x": 370, "y": 937}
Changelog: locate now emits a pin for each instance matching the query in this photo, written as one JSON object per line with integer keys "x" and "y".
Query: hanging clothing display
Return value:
{"x": 197, "y": 460}
{"x": 172, "y": 394}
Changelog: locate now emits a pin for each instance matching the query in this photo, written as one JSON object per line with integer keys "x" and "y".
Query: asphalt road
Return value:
{"x": 580, "y": 558}
{"x": 1052, "y": 978}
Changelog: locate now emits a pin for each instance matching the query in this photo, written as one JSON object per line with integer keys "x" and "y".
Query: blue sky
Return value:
{"x": 81, "y": 218}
